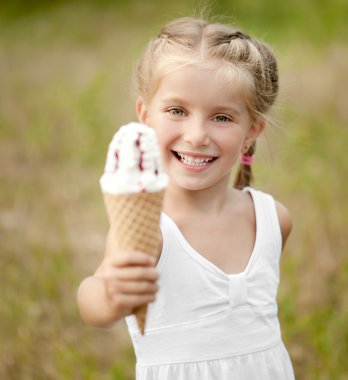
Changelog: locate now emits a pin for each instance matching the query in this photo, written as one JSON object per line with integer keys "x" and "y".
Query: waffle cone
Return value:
{"x": 134, "y": 220}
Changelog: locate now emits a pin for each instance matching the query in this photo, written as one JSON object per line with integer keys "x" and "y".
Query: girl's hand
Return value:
{"x": 129, "y": 280}
{"x": 123, "y": 282}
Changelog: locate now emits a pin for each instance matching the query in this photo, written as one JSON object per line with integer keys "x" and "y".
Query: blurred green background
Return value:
{"x": 65, "y": 86}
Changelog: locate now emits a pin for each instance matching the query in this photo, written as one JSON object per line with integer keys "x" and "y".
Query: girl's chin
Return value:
{"x": 191, "y": 184}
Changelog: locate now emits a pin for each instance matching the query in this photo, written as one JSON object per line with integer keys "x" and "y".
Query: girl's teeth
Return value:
{"x": 194, "y": 161}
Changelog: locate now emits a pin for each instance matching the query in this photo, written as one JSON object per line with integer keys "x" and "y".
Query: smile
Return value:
{"x": 194, "y": 161}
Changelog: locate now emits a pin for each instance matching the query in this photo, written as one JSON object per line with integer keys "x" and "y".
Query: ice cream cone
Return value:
{"x": 133, "y": 185}
{"x": 134, "y": 219}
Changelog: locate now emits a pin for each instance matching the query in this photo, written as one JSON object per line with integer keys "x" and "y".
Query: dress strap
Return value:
{"x": 165, "y": 227}
{"x": 267, "y": 217}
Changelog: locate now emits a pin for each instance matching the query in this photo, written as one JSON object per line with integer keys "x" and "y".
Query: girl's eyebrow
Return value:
{"x": 218, "y": 108}
{"x": 227, "y": 108}
{"x": 173, "y": 99}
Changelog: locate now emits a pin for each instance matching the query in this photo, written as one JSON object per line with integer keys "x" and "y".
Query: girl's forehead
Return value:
{"x": 211, "y": 82}
{"x": 199, "y": 88}
{"x": 229, "y": 77}
{"x": 191, "y": 77}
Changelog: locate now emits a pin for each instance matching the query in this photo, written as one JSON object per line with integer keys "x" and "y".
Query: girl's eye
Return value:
{"x": 176, "y": 111}
{"x": 222, "y": 118}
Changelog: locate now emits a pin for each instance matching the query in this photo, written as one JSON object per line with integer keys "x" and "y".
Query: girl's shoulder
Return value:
{"x": 285, "y": 221}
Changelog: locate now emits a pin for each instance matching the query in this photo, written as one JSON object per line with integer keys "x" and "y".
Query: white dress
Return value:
{"x": 209, "y": 325}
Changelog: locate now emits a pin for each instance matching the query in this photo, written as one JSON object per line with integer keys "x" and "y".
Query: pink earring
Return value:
{"x": 246, "y": 158}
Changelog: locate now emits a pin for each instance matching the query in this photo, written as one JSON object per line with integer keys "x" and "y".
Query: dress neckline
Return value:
{"x": 207, "y": 263}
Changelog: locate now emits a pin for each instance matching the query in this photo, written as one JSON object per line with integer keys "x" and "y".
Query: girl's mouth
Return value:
{"x": 194, "y": 160}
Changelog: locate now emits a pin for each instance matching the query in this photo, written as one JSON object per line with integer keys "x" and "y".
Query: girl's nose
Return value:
{"x": 196, "y": 133}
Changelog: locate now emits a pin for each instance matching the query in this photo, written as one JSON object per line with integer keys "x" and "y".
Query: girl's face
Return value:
{"x": 202, "y": 125}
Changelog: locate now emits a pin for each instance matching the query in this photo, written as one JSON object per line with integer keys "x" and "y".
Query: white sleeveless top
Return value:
{"x": 206, "y": 324}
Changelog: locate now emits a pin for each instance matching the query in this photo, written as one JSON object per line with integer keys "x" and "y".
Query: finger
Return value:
{"x": 137, "y": 274}
{"x": 130, "y": 301}
{"x": 137, "y": 287}
{"x": 133, "y": 258}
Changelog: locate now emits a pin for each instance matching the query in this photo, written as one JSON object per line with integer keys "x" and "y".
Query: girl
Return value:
{"x": 205, "y": 89}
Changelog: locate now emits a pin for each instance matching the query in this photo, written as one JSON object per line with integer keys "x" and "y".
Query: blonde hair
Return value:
{"x": 244, "y": 61}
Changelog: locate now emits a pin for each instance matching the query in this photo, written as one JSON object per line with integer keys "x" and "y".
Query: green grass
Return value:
{"x": 65, "y": 80}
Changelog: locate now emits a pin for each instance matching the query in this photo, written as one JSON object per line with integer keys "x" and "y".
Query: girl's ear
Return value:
{"x": 141, "y": 110}
{"x": 255, "y": 130}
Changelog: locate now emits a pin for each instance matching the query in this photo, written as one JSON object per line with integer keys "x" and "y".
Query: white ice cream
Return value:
{"x": 133, "y": 162}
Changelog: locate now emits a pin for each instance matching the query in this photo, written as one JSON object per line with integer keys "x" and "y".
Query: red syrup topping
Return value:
{"x": 141, "y": 158}
{"x": 116, "y": 160}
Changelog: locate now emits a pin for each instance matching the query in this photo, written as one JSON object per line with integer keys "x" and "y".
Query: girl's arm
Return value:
{"x": 285, "y": 221}
{"x": 123, "y": 282}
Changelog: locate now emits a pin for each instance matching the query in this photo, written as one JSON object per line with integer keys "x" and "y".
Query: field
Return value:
{"x": 66, "y": 85}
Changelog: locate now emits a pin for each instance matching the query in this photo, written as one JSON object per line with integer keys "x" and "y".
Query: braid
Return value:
{"x": 244, "y": 176}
